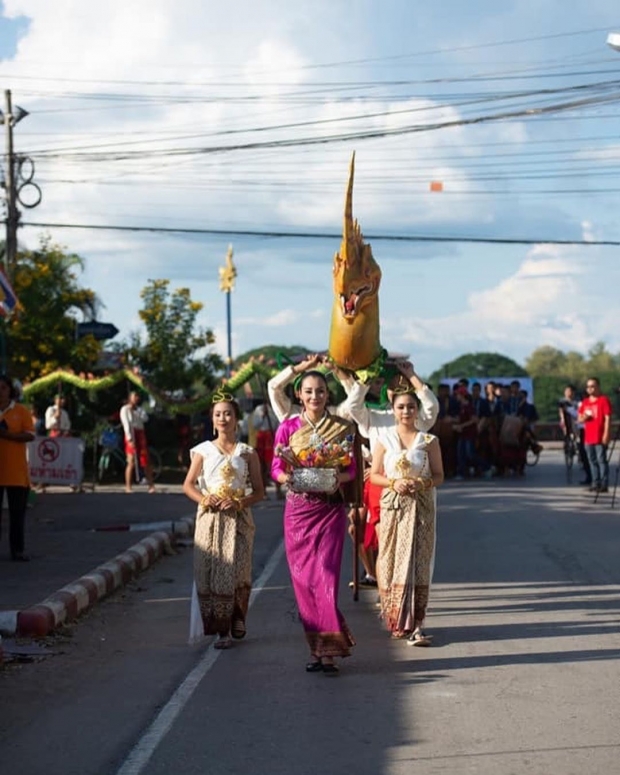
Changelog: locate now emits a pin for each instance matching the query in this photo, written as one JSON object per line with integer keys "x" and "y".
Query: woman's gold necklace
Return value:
{"x": 227, "y": 471}
{"x": 403, "y": 465}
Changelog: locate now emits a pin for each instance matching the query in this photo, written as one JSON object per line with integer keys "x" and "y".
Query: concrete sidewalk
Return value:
{"x": 82, "y": 547}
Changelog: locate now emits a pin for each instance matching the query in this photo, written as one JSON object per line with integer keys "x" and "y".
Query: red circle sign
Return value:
{"x": 49, "y": 450}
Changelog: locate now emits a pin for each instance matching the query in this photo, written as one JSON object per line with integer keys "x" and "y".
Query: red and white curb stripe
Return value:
{"x": 70, "y": 601}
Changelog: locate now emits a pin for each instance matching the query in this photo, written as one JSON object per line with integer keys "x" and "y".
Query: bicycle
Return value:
{"x": 112, "y": 461}
{"x": 532, "y": 455}
{"x": 571, "y": 439}
{"x": 532, "y": 450}
{"x": 571, "y": 450}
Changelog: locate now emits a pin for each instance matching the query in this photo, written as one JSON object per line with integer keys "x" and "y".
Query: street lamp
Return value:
{"x": 17, "y": 114}
{"x": 228, "y": 272}
{"x": 613, "y": 40}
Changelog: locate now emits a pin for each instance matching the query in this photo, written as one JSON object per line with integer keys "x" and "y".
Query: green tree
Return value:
{"x": 479, "y": 365}
{"x": 575, "y": 367}
{"x": 600, "y": 360}
{"x": 175, "y": 355}
{"x": 41, "y": 336}
{"x": 548, "y": 390}
{"x": 546, "y": 360}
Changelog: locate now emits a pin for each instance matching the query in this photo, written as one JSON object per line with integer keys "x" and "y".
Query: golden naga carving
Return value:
{"x": 354, "y": 337}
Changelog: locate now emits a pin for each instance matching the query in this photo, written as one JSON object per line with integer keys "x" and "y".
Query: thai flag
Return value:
{"x": 8, "y": 299}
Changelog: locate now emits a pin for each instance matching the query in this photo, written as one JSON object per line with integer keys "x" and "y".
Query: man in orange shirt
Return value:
{"x": 16, "y": 430}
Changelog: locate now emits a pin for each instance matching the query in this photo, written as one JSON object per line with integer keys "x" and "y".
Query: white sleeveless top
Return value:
{"x": 219, "y": 470}
{"x": 399, "y": 462}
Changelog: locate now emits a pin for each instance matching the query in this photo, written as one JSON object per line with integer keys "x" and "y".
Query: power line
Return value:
{"x": 533, "y": 72}
{"x": 370, "y": 134}
{"x": 272, "y": 234}
{"x": 477, "y": 46}
{"x": 362, "y": 61}
{"x": 462, "y": 101}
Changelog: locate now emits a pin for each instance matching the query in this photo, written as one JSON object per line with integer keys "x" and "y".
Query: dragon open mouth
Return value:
{"x": 350, "y": 304}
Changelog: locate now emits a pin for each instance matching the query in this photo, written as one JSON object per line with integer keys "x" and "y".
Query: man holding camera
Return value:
{"x": 595, "y": 414}
{"x": 568, "y": 407}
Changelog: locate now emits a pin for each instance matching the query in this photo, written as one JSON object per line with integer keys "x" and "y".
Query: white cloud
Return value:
{"x": 611, "y": 153}
{"x": 543, "y": 302}
{"x": 281, "y": 319}
{"x": 588, "y": 232}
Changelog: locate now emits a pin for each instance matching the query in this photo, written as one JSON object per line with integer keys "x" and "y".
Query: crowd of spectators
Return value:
{"x": 485, "y": 432}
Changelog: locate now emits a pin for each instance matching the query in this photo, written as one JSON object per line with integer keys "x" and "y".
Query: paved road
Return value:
{"x": 67, "y": 536}
{"x": 522, "y": 677}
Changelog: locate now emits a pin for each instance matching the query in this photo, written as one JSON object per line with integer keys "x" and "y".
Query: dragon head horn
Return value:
{"x": 350, "y": 232}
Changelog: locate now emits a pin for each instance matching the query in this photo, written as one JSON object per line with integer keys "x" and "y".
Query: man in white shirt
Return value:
{"x": 133, "y": 418}
{"x": 57, "y": 422}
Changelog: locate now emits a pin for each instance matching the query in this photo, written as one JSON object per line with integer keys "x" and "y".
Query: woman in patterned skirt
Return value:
{"x": 225, "y": 480}
{"x": 407, "y": 464}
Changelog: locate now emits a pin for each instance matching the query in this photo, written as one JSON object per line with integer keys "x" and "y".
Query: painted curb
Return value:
{"x": 73, "y": 599}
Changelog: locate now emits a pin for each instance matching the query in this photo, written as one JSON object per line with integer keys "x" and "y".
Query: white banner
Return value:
{"x": 57, "y": 460}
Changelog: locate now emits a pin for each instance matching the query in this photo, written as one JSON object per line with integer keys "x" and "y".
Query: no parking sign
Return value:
{"x": 57, "y": 460}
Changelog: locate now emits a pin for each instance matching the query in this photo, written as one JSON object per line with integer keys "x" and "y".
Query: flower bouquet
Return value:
{"x": 315, "y": 468}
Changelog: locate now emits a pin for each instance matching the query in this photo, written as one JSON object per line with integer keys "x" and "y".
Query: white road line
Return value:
{"x": 145, "y": 747}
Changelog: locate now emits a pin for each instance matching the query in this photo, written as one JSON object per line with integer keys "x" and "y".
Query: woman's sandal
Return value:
{"x": 330, "y": 669}
{"x": 238, "y": 630}
{"x": 400, "y": 634}
{"x": 419, "y": 638}
{"x": 315, "y": 666}
{"x": 223, "y": 642}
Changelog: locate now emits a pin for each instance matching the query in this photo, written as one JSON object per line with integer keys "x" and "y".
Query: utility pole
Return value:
{"x": 12, "y": 215}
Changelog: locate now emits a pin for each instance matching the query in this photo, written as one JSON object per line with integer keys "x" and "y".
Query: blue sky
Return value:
{"x": 137, "y": 111}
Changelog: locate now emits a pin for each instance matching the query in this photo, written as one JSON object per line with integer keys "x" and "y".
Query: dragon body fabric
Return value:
{"x": 354, "y": 336}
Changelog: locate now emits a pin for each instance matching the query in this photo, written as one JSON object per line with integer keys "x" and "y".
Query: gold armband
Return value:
{"x": 391, "y": 485}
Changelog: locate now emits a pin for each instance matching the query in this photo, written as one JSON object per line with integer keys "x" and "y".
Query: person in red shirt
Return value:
{"x": 595, "y": 414}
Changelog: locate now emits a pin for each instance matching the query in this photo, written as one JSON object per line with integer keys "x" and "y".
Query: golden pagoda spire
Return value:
{"x": 228, "y": 272}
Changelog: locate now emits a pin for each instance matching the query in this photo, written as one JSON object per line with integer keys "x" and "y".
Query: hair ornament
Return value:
{"x": 403, "y": 388}
{"x": 221, "y": 394}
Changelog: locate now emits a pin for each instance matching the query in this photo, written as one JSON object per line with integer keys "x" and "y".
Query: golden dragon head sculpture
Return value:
{"x": 354, "y": 337}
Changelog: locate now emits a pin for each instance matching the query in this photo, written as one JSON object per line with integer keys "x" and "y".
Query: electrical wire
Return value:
{"x": 322, "y": 235}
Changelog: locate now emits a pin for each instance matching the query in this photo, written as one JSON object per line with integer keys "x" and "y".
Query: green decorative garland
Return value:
{"x": 243, "y": 375}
